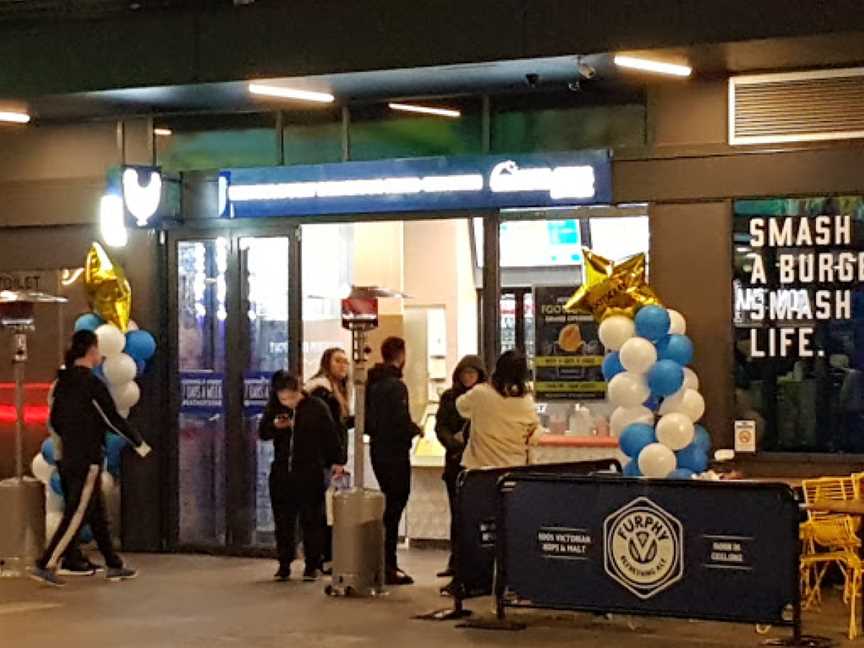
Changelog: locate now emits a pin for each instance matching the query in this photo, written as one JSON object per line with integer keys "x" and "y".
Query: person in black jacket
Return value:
{"x": 330, "y": 384}
{"x": 82, "y": 411}
{"x": 453, "y": 431}
{"x": 305, "y": 442}
{"x": 392, "y": 432}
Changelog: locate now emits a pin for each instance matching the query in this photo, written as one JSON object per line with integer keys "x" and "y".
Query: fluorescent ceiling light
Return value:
{"x": 163, "y": 132}
{"x": 290, "y": 93}
{"x": 14, "y": 117}
{"x": 647, "y": 65}
{"x": 426, "y": 110}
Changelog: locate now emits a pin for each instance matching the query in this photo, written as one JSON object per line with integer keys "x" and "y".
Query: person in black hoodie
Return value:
{"x": 392, "y": 432}
{"x": 306, "y": 442}
{"x": 82, "y": 411}
{"x": 453, "y": 431}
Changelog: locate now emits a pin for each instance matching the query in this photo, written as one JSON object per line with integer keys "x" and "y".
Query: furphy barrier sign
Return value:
{"x": 569, "y": 355}
{"x": 674, "y": 548}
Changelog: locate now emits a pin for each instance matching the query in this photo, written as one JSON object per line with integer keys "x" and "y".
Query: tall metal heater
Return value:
{"x": 22, "y": 498}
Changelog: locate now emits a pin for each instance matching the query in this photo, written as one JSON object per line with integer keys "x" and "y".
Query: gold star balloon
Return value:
{"x": 108, "y": 290}
{"x": 612, "y": 288}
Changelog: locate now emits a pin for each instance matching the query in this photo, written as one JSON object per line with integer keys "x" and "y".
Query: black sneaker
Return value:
{"x": 311, "y": 575}
{"x": 397, "y": 577}
{"x": 45, "y": 577}
{"x": 117, "y": 574}
{"x": 96, "y": 567}
{"x": 283, "y": 575}
{"x": 75, "y": 569}
{"x": 447, "y": 573}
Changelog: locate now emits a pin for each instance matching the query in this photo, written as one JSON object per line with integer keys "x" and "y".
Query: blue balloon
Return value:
{"x": 48, "y": 451}
{"x": 85, "y": 534}
{"x": 99, "y": 372}
{"x": 88, "y": 322}
{"x": 56, "y": 485}
{"x": 676, "y": 347}
{"x": 631, "y": 469}
{"x": 681, "y": 473}
{"x": 635, "y": 437}
{"x": 142, "y": 367}
{"x": 652, "y": 403}
{"x": 692, "y": 458}
{"x": 701, "y": 439}
{"x": 140, "y": 345}
{"x": 652, "y": 322}
{"x": 114, "y": 445}
{"x": 612, "y": 366}
{"x": 665, "y": 377}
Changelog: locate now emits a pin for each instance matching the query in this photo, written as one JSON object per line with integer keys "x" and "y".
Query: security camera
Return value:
{"x": 532, "y": 79}
{"x": 586, "y": 71}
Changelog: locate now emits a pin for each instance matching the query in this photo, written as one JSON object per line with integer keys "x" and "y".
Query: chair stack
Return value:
{"x": 831, "y": 539}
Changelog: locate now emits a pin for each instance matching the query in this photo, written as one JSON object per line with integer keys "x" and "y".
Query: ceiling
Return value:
{"x": 429, "y": 83}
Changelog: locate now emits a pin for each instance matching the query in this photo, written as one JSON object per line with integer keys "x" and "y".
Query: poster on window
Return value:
{"x": 569, "y": 354}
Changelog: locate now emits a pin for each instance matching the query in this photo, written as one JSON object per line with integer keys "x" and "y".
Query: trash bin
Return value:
{"x": 358, "y": 543}
{"x": 22, "y": 525}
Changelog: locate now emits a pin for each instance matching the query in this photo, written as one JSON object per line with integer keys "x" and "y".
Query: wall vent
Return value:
{"x": 796, "y": 107}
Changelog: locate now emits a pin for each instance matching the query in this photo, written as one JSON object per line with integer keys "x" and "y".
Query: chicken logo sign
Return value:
{"x": 643, "y": 548}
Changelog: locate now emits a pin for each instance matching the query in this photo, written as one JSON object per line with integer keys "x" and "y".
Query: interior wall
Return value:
{"x": 691, "y": 269}
{"x": 379, "y": 260}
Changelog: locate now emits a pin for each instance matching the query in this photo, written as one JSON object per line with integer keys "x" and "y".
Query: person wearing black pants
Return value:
{"x": 392, "y": 432}
{"x": 453, "y": 432}
{"x": 306, "y": 441}
{"x": 82, "y": 411}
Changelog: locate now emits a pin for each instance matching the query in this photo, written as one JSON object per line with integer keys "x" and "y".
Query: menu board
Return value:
{"x": 569, "y": 355}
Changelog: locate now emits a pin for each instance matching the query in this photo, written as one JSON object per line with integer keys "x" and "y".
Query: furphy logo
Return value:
{"x": 643, "y": 548}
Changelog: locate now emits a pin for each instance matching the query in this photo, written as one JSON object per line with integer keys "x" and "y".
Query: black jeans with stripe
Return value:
{"x": 84, "y": 505}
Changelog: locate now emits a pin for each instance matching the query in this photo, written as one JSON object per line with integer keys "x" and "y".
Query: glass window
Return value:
{"x": 312, "y": 137}
{"x": 619, "y": 237}
{"x": 799, "y": 322}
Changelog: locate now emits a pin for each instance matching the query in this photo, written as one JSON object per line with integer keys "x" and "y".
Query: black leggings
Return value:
{"x": 294, "y": 495}
{"x": 394, "y": 478}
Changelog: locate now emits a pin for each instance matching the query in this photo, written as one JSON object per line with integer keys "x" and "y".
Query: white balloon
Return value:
{"x": 111, "y": 340}
{"x": 132, "y": 326}
{"x": 41, "y": 469}
{"x": 677, "y": 323}
{"x": 52, "y": 521}
{"x": 624, "y": 416}
{"x": 124, "y": 413}
{"x": 108, "y": 482}
{"x": 685, "y": 401}
{"x": 628, "y": 390}
{"x": 656, "y": 460}
{"x": 675, "y": 431}
{"x": 126, "y": 395}
{"x": 691, "y": 380}
{"x": 638, "y": 355}
{"x": 119, "y": 369}
{"x": 615, "y": 331}
{"x": 54, "y": 503}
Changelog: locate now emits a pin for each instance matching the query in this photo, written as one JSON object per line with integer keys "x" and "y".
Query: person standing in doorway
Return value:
{"x": 392, "y": 432}
{"x": 330, "y": 384}
{"x": 453, "y": 432}
{"x": 81, "y": 412}
{"x": 306, "y": 442}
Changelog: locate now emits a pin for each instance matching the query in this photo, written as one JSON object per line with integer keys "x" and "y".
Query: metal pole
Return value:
{"x": 359, "y": 353}
{"x": 19, "y": 357}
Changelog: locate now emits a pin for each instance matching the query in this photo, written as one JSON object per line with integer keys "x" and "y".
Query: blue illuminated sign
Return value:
{"x": 419, "y": 184}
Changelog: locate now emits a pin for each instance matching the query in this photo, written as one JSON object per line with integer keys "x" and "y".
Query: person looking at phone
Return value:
{"x": 306, "y": 440}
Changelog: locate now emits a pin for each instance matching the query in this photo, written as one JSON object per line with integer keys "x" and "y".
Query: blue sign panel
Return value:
{"x": 201, "y": 392}
{"x": 256, "y": 390}
{"x": 420, "y": 184}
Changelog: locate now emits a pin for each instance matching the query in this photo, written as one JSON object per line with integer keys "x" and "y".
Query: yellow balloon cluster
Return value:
{"x": 108, "y": 290}
{"x": 612, "y": 288}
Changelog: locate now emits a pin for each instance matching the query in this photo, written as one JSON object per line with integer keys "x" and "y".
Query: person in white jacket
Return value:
{"x": 503, "y": 416}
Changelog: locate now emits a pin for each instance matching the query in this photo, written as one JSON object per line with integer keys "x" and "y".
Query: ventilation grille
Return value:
{"x": 796, "y": 107}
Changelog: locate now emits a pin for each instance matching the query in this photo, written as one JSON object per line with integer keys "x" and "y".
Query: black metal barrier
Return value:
{"x": 475, "y": 521}
{"x": 690, "y": 549}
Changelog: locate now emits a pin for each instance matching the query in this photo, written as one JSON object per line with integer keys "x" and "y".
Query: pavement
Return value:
{"x": 209, "y": 602}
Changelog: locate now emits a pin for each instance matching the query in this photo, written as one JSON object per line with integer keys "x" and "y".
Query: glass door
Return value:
{"x": 233, "y": 331}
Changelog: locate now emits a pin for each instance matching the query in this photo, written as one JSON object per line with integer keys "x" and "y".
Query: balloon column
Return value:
{"x": 126, "y": 350}
{"x": 656, "y": 395}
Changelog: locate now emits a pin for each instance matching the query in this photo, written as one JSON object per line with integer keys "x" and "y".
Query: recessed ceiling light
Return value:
{"x": 14, "y": 117}
{"x": 290, "y": 93}
{"x": 648, "y": 65}
{"x": 426, "y": 110}
{"x": 163, "y": 132}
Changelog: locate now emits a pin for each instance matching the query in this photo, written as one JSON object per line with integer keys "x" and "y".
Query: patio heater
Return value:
{"x": 22, "y": 499}
{"x": 358, "y": 527}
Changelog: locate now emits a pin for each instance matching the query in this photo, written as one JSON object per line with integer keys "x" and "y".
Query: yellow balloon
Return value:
{"x": 612, "y": 288}
{"x": 108, "y": 290}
